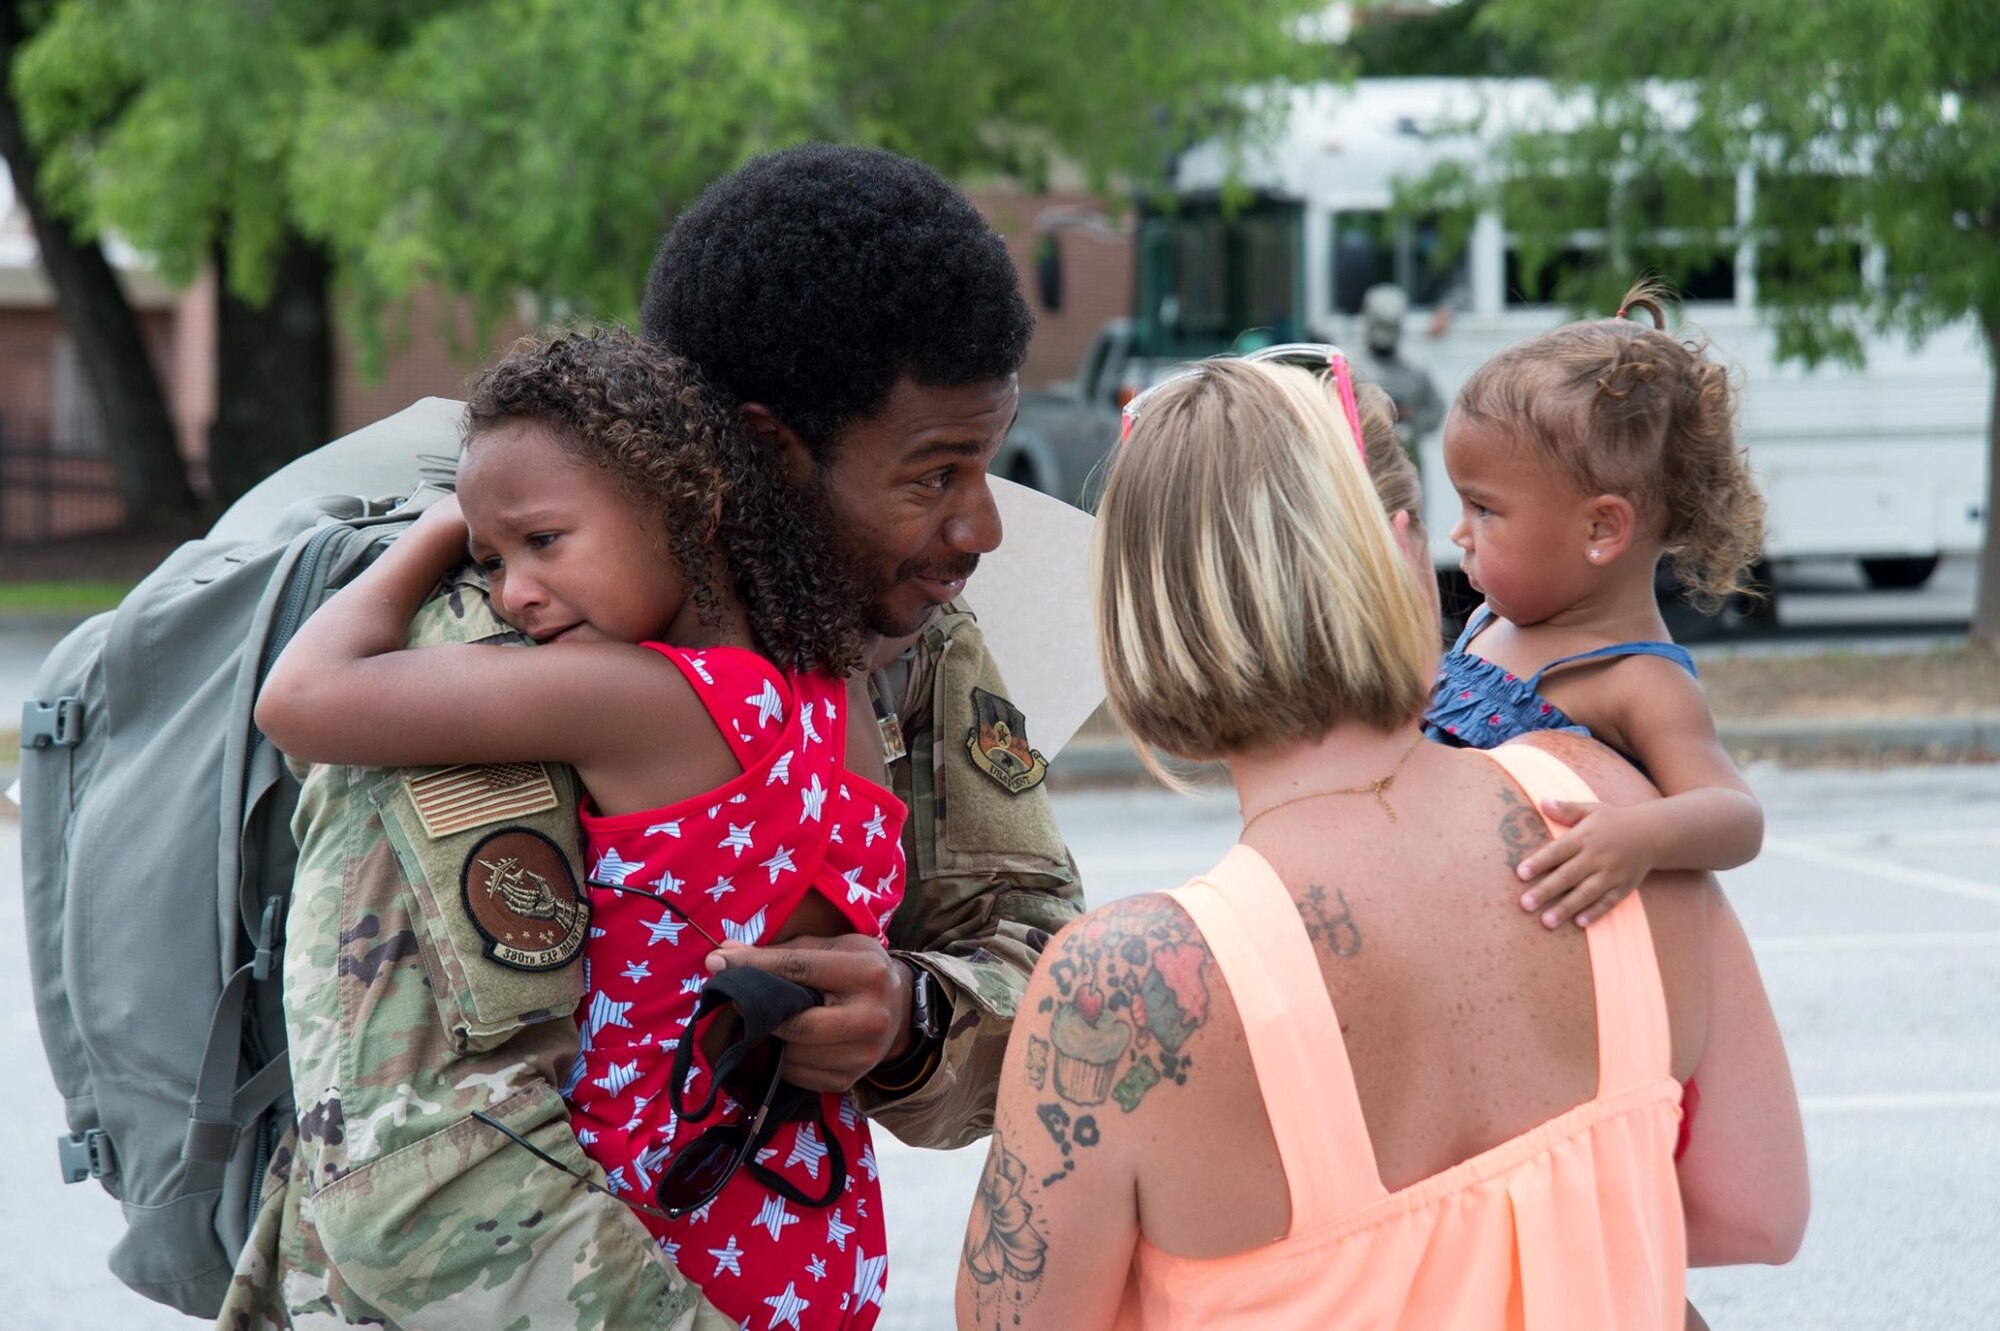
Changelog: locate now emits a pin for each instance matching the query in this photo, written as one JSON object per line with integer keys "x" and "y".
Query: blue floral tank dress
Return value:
{"x": 1477, "y": 704}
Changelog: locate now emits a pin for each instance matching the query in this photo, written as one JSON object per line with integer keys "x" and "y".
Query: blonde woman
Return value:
{"x": 1341, "y": 1079}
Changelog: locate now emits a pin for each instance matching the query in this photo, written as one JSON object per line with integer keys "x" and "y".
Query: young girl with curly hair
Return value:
{"x": 1582, "y": 458}
{"x": 694, "y": 641}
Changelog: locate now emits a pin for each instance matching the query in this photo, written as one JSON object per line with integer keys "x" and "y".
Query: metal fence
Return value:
{"x": 47, "y": 493}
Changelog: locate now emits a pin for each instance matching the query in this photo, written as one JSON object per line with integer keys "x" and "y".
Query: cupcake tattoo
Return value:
{"x": 1132, "y": 992}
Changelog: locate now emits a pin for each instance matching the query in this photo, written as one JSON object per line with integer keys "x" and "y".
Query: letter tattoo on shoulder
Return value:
{"x": 1004, "y": 1252}
{"x": 1333, "y": 929}
{"x": 1522, "y": 830}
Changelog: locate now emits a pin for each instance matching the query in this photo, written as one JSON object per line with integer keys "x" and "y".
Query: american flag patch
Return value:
{"x": 454, "y": 799}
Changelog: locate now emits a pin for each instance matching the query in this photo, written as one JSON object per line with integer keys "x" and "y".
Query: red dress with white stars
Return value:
{"x": 738, "y": 861}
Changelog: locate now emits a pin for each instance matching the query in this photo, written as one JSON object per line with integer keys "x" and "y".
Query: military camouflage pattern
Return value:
{"x": 389, "y": 1206}
{"x": 386, "y": 1204}
{"x": 989, "y": 881}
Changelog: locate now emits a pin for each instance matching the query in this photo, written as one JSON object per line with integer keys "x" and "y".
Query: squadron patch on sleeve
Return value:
{"x": 454, "y": 799}
{"x": 521, "y": 896}
{"x": 998, "y": 743}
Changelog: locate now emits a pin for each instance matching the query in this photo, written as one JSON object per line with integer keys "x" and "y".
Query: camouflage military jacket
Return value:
{"x": 431, "y": 969}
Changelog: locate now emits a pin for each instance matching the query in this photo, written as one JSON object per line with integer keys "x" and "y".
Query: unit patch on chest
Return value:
{"x": 520, "y": 894}
{"x": 998, "y": 743}
{"x": 453, "y": 799}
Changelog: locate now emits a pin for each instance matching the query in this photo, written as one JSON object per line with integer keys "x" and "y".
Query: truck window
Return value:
{"x": 1373, "y": 245}
{"x": 1210, "y": 274}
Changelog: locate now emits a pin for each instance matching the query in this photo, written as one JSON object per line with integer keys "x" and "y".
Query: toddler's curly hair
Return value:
{"x": 1634, "y": 411}
{"x": 674, "y": 445}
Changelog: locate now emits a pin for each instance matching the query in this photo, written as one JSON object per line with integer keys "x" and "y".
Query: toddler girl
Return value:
{"x": 696, "y": 638}
{"x": 1581, "y": 458}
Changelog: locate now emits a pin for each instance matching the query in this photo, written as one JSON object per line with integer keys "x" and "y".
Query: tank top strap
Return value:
{"x": 1479, "y": 619}
{"x": 1669, "y": 651}
{"x": 1634, "y": 1040}
{"x": 1259, "y": 943}
{"x": 751, "y": 703}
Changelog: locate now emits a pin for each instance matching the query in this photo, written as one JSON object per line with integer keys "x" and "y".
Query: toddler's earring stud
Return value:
{"x": 1595, "y": 556}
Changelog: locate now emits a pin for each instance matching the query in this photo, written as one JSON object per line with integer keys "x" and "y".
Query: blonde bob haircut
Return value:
{"x": 1250, "y": 592}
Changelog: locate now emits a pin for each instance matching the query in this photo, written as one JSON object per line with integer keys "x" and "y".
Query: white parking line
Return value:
{"x": 1903, "y": 1103}
{"x": 1895, "y": 873}
{"x": 1797, "y": 943}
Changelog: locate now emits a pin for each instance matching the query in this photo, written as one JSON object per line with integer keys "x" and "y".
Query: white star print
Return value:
{"x": 786, "y": 1307}
{"x": 747, "y": 932}
{"x": 867, "y": 1162}
{"x": 727, "y": 1256}
{"x": 874, "y": 827}
{"x": 665, "y": 829}
{"x": 781, "y": 770}
{"x": 615, "y": 1180}
{"x": 619, "y": 1077}
{"x": 774, "y": 1217}
{"x": 699, "y": 664}
{"x": 868, "y": 1273}
{"x": 604, "y": 1012}
{"x": 692, "y": 985}
{"x": 780, "y": 863}
{"x": 849, "y": 1115}
{"x": 818, "y": 1268}
{"x": 886, "y": 883}
{"x": 666, "y": 882}
{"x": 638, "y": 970}
{"x": 666, "y": 927}
{"x": 723, "y": 887}
{"x": 671, "y": 1249}
{"x": 837, "y": 1231}
{"x": 770, "y": 707}
{"x": 806, "y": 721}
{"x": 738, "y": 839}
{"x": 807, "y": 1148}
{"x": 814, "y": 799}
{"x": 613, "y": 867}
{"x": 830, "y": 713}
{"x": 648, "y": 1162}
{"x": 855, "y": 891}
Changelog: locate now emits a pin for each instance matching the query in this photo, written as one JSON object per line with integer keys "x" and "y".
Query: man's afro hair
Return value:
{"x": 812, "y": 279}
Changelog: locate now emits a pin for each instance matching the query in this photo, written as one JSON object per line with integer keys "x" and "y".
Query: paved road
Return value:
{"x": 1876, "y": 914}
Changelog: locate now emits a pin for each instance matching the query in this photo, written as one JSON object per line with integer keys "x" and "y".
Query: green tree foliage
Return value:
{"x": 497, "y": 149}
{"x": 1872, "y": 128}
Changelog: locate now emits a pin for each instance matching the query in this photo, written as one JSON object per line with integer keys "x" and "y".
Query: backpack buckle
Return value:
{"x": 57, "y": 724}
{"x": 85, "y": 1155}
{"x": 268, "y": 928}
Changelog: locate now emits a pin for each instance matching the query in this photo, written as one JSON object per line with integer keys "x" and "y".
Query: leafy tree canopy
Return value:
{"x": 500, "y": 147}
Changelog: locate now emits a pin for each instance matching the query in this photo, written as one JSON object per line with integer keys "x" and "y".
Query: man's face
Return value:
{"x": 907, "y": 494}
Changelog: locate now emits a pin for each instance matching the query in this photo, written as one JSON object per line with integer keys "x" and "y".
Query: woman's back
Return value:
{"x": 1473, "y": 1118}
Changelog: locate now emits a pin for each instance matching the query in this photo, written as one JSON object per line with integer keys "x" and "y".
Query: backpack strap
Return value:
{"x": 221, "y": 1108}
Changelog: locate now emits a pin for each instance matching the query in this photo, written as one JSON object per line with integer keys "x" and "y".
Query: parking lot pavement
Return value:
{"x": 1875, "y": 912}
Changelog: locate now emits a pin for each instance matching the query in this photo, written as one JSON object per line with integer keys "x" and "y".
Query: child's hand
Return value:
{"x": 443, "y": 518}
{"x": 1607, "y": 852}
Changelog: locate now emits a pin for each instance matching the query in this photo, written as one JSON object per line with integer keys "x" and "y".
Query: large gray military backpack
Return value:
{"x": 157, "y": 864}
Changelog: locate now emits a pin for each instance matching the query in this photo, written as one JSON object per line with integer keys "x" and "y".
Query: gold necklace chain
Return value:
{"x": 1378, "y": 788}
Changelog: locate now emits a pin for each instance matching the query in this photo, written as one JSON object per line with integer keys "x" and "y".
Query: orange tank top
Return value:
{"x": 1575, "y": 1225}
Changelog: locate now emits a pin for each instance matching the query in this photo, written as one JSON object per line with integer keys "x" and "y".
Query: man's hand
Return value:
{"x": 1607, "y": 852}
{"x": 864, "y": 1014}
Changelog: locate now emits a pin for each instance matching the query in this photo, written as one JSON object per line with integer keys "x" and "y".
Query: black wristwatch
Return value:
{"x": 930, "y": 1013}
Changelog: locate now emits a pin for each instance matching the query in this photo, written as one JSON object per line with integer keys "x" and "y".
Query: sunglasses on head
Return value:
{"x": 1319, "y": 357}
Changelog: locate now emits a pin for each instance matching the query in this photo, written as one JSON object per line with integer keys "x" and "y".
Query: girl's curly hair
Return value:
{"x": 1634, "y": 411}
{"x": 676, "y": 447}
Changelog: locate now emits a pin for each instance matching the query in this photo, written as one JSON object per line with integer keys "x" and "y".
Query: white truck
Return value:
{"x": 1884, "y": 464}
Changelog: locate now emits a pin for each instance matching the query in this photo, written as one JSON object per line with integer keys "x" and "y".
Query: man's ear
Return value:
{"x": 794, "y": 457}
{"x": 1613, "y": 528}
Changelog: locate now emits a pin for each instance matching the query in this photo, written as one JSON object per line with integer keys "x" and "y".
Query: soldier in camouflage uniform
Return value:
{"x": 390, "y": 1205}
